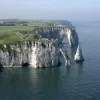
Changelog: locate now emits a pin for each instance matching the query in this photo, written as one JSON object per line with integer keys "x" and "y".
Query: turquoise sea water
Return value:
{"x": 78, "y": 82}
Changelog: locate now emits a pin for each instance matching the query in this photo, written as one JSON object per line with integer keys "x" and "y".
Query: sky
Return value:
{"x": 50, "y": 9}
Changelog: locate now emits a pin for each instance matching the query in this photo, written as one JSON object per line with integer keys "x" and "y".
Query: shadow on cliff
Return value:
{"x": 25, "y": 65}
{"x": 1, "y": 67}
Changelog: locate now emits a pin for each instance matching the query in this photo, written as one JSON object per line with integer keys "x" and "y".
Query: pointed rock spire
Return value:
{"x": 78, "y": 56}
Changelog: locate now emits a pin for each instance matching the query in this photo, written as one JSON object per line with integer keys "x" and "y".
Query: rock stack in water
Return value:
{"x": 78, "y": 56}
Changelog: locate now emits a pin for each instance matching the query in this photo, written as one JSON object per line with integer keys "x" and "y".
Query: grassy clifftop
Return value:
{"x": 14, "y": 31}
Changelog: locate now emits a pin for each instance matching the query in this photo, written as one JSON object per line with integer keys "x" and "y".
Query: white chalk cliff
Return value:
{"x": 45, "y": 54}
{"x": 47, "y": 51}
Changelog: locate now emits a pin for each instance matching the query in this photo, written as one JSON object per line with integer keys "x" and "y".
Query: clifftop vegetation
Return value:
{"x": 12, "y": 31}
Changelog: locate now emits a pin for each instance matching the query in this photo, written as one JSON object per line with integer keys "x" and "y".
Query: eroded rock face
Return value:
{"x": 60, "y": 33}
{"x": 15, "y": 54}
{"x": 47, "y": 51}
{"x": 40, "y": 53}
{"x": 45, "y": 55}
{"x": 72, "y": 38}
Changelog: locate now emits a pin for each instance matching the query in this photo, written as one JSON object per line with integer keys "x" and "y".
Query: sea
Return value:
{"x": 77, "y": 82}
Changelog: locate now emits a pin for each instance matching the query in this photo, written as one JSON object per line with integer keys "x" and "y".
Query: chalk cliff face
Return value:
{"x": 15, "y": 55}
{"x": 45, "y": 54}
{"x": 47, "y": 51}
{"x": 40, "y": 53}
{"x": 72, "y": 38}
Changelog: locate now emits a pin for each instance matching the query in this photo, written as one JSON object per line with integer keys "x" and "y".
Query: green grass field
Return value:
{"x": 12, "y": 29}
{"x": 8, "y": 33}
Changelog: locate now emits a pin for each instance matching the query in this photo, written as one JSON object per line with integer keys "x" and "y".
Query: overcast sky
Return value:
{"x": 50, "y": 9}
